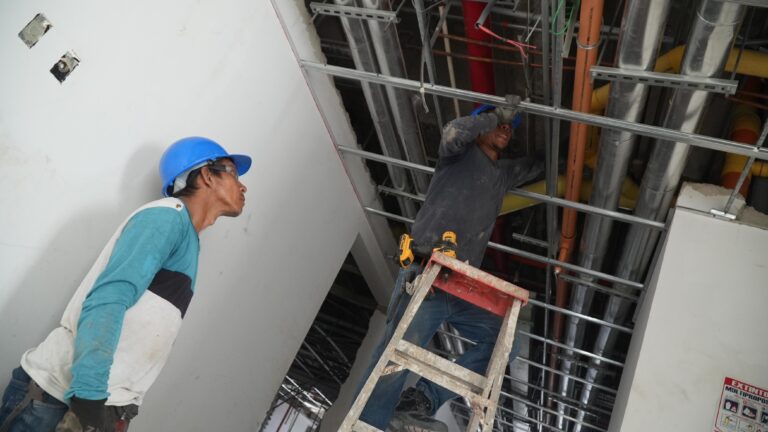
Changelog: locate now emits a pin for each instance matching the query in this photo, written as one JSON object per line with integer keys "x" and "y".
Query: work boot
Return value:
{"x": 410, "y": 422}
{"x": 414, "y": 401}
{"x": 413, "y": 414}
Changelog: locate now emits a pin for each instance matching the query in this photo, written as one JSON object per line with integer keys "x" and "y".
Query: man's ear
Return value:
{"x": 206, "y": 177}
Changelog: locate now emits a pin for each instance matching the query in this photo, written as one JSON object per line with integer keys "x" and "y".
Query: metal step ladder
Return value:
{"x": 472, "y": 285}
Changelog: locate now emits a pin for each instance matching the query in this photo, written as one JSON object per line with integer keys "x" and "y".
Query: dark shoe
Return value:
{"x": 409, "y": 422}
{"x": 414, "y": 401}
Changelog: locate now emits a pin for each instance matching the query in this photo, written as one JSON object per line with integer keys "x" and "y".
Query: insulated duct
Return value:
{"x": 362, "y": 56}
{"x": 386, "y": 45}
{"x": 643, "y": 25}
{"x": 712, "y": 34}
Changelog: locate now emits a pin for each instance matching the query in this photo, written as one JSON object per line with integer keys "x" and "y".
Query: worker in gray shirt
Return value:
{"x": 464, "y": 196}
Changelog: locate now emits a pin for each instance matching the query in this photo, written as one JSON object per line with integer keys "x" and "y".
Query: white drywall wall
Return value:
{"x": 703, "y": 319}
{"x": 77, "y": 157}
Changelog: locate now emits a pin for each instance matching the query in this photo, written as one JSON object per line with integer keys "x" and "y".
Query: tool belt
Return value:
{"x": 409, "y": 251}
{"x": 34, "y": 392}
{"x": 118, "y": 417}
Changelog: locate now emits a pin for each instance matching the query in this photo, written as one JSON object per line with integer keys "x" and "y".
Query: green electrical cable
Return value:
{"x": 570, "y": 18}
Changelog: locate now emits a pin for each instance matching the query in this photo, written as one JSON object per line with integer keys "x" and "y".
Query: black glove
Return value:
{"x": 507, "y": 113}
{"x": 83, "y": 416}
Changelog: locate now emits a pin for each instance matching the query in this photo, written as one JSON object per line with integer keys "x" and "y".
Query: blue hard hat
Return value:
{"x": 192, "y": 151}
{"x": 486, "y": 107}
{"x": 481, "y": 109}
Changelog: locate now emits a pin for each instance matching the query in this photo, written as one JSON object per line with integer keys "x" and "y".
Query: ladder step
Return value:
{"x": 361, "y": 426}
{"x": 443, "y": 372}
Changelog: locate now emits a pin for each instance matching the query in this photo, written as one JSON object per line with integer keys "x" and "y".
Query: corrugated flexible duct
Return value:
{"x": 386, "y": 45}
{"x": 643, "y": 28}
{"x": 713, "y": 32}
{"x": 362, "y": 56}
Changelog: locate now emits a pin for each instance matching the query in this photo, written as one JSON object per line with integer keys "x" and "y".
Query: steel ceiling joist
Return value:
{"x": 686, "y": 82}
{"x": 657, "y": 132}
{"x": 529, "y": 255}
{"x": 354, "y": 12}
{"x": 517, "y": 191}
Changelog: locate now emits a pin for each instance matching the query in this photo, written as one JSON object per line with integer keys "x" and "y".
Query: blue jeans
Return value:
{"x": 38, "y": 416}
{"x": 471, "y": 321}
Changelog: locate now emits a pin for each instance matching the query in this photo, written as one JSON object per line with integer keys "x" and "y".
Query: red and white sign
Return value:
{"x": 743, "y": 408}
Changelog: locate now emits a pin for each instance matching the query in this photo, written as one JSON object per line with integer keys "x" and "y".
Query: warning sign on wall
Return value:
{"x": 743, "y": 408}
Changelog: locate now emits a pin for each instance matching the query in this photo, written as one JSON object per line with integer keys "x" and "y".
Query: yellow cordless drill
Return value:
{"x": 447, "y": 244}
{"x": 405, "y": 254}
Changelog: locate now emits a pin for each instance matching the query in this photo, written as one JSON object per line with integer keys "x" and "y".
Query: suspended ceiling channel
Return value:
{"x": 534, "y": 303}
{"x": 563, "y": 114}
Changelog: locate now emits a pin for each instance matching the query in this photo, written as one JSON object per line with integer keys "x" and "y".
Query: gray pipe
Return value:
{"x": 643, "y": 26}
{"x": 362, "y": 56}
{"x": 386, "y": 45}
{"x": 712, "y": 34}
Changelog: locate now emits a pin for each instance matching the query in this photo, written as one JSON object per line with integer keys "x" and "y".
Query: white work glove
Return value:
{"x": 506, "y": 114}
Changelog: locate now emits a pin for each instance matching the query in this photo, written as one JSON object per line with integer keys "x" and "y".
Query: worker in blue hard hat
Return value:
{"x": 92, "y": 372}
{"x": 464, "y": 196}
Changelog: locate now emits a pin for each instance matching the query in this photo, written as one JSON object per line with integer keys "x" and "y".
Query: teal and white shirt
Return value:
{"x": 117, "y": 331}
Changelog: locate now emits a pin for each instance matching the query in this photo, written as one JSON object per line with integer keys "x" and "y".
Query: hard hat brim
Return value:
{"x": 242, "y": 163}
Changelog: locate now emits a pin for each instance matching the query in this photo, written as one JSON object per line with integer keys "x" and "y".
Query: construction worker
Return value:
{"x": 464, "y": 196}
{"x": 91, "y": 373}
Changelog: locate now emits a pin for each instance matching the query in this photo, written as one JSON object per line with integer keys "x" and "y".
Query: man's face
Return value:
{"x": 230, "y": 191}
{"x": 498, "y": 138}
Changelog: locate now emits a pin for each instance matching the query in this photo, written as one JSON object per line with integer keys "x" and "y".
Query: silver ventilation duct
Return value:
{"x": 390, "y": 57}
{"x": 362, "y": 56}
{"x": 712, "y": 34}
{"x": 643, "y": 25}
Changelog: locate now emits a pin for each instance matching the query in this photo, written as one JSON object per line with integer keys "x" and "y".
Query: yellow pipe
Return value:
{"x": 752, "y": 63}
{"x": 760, "y": 169}
{"x": 513, "y": 203}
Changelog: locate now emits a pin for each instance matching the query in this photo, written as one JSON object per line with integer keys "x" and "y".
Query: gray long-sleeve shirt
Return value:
{"x": 467, "y": 189}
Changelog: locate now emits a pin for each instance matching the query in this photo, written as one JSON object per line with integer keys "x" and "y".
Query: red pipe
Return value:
{"x": 480, "y": 73}
{"x": 482, "y": 81}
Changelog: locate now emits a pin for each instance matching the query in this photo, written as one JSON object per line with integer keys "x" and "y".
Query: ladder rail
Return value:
{"x": 482, "y": 391}
{"x": 428, "y": 276}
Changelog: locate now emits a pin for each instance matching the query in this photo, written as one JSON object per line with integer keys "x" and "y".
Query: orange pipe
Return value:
{"x": 590, "y": 20}
{"x": 589, "y": 34}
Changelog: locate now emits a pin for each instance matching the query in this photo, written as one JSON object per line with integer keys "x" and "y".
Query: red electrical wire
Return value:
{"x": 519, "y": 45}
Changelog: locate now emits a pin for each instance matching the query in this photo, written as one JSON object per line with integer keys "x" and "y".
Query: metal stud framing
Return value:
{"x": 556, "y": 113}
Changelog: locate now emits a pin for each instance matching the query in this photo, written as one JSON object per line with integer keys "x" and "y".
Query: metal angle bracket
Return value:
{"x": 685, "y": 82}
{"x": 354, "y": 12}
{"x": 722, "y": 215}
